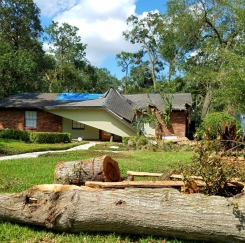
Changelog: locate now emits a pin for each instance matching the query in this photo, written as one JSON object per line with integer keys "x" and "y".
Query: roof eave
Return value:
{"x": 70, "y": 107}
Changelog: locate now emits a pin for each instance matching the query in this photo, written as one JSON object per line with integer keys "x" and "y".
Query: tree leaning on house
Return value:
{"x": 152, "y": 114}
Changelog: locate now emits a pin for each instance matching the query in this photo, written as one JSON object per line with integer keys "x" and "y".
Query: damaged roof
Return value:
{"x": 112, "y": 101}
{"x": 178, "y": 101}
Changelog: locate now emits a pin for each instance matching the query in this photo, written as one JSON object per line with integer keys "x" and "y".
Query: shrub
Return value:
{"x": 151, "y": 144}
{"x": 208, "y": 127}
{"x": 138, "y": 142}
{"x": 169, "y": 146}
{"x": 125, "y": 140}
{"x": 15, "y": 134}
{"x": 50, "y": 137}
{"x": 141, "y": 141}
{"x": 215, "y": 166}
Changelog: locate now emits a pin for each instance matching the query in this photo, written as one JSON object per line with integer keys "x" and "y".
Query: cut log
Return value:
{"x": 165, "y": 212}
{"x": 95, "y": 169}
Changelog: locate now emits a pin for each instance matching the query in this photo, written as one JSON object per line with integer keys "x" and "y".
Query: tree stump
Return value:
{"x": 103, "y": 169}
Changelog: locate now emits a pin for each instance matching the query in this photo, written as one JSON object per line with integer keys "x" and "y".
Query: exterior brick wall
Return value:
{"x": 178, "y": 124}
{"x": 15, "y": 119}
{"x": 178, "y": 120}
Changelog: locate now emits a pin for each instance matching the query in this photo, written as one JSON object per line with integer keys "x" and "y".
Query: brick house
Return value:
{"x": 92, "y": 117}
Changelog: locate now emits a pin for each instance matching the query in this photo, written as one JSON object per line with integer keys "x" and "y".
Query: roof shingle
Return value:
{"x": 112, "y": 100}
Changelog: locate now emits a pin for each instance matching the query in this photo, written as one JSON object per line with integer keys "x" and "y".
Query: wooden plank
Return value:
{"x": 138, "y": 184}
{"x": 143, "y": 174}
{"x": 236, "y": 181}
{"x": 148, "y": 184}
{"x": 180, "y": 177}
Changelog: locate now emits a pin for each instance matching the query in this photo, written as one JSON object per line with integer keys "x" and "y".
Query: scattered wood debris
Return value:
{"x": 104, "y": 172}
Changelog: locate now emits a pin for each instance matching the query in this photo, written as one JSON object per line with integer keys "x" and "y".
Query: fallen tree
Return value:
{"x": 160, "y": 211}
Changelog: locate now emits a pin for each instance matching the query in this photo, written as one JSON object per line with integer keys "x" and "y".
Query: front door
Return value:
{"x": 105, "y": 135}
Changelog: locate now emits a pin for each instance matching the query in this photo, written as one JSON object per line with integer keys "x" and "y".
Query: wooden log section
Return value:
{"x": 94, "y": 169}
{"x": 162, "y": 211}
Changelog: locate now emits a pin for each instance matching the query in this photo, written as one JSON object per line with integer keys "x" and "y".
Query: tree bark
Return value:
{"x": 95, "y": 169}
{"x": 206, "y": 104}
{"x": 164, "y": 212}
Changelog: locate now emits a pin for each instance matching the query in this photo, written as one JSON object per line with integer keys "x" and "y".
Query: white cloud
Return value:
{"x": 51, "y": 7}
{"x": 100, "y": 23}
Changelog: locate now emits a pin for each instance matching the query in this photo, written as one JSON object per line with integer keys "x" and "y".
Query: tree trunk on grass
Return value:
{"x": 95, "y": 169}
{"x": 165, "y": 212}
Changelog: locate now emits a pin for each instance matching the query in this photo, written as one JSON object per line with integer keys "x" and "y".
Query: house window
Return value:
{"x": 77, "y": 125}
{"x": 30, "y": 118}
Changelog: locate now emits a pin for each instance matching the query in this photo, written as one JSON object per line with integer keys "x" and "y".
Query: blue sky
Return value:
{"x": 100, "y": 23}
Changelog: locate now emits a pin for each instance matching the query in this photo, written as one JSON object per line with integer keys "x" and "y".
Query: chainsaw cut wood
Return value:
{"x": 94, "y": 169}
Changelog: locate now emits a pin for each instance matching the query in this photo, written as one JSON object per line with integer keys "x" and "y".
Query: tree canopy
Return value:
{"x": 21, "y": 54}
{"x": 200, "y": 44}
{"x": 211, "y": 35}
{"x": 26, "y": 67}
{"x": 196, "y": 46}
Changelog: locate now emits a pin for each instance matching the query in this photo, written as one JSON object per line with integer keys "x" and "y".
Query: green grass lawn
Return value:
{"x": 21, "y": 174}
{"x": 11, "y": 146}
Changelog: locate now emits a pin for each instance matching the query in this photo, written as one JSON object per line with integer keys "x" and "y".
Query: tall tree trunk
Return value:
{"x": 206, "y": 104}
{"x": 165, "y": 212}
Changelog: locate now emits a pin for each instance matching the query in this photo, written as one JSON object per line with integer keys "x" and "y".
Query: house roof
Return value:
{"x": 112, "y": 101}
{"x": 178, "y": 100}
{"x": 30, "y": 100}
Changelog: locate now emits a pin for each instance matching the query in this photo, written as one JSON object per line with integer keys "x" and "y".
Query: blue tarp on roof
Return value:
{"x": 77, "y": 96}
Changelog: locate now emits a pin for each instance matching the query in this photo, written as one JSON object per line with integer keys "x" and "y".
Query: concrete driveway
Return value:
{"x": 35, "y": 154}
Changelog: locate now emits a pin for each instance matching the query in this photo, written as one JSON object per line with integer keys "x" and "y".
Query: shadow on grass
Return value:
{"x": 38, "y": 234}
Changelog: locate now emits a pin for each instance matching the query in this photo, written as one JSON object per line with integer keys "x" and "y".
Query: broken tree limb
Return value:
{"x": 95, "y": 169}
{"x": 165, "y": 212}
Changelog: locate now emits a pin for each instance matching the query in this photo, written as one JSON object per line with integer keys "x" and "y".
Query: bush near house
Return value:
{"x": 36, "y": 137}
{"x": 50, "y": 137}
{"x": 15, "y": 134}
{"x": 135, "y": 142}
{"x": 208, "y": 128}
{"x": 152, "y": 144}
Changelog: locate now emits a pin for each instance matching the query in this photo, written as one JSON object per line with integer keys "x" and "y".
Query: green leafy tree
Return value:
{"x": 230, "y": 97}
{"x": 103, "y": 80}
{"x": 145, "y": 32}
{"x": 140, "y": 79}
{"x": 210, "y": 33}
{"x": 98, "y": 80}
{"x": 170, "y": 51}
{"x": 125, "y": 60}
{"x": 21, "y": 54}
{"x": 69, "y": 54}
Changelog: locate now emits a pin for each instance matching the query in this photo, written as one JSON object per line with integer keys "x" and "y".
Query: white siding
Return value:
{"x": 97, "y": 119}
{"x": 88, "y": 132}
